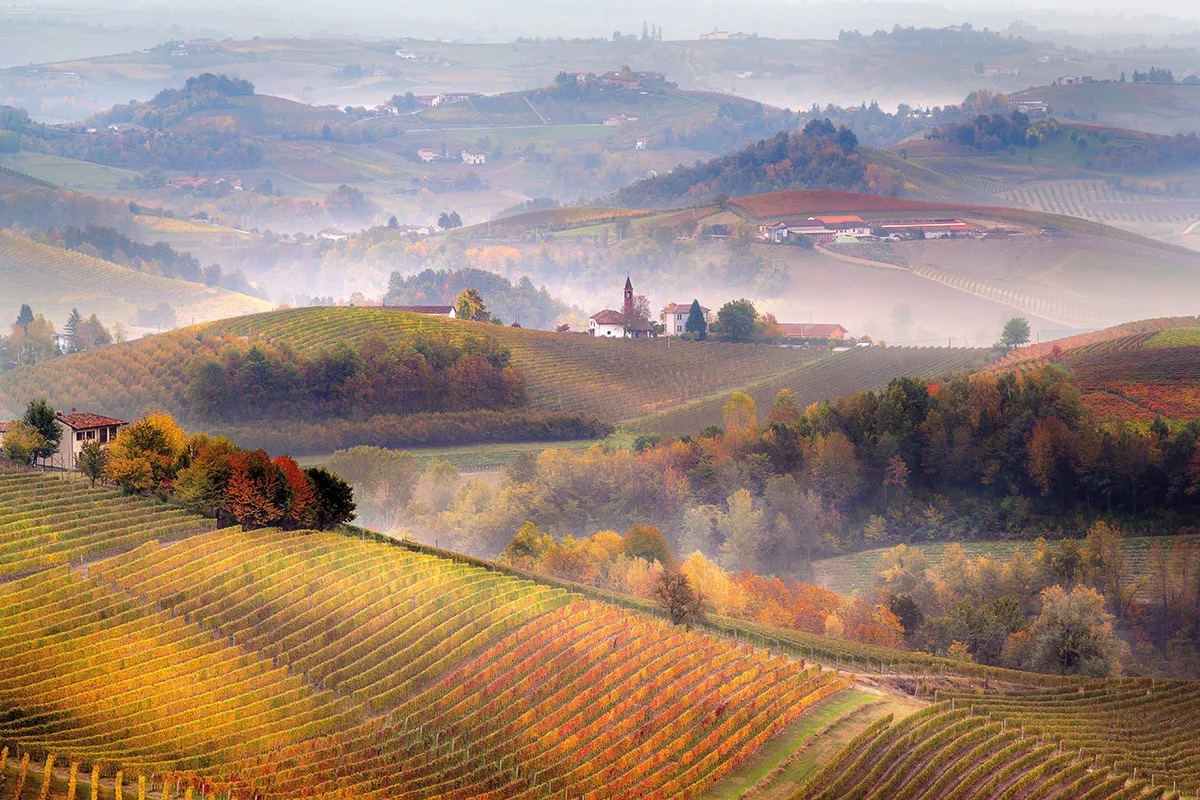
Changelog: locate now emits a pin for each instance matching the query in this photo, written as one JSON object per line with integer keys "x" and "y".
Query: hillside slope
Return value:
{"x": 285, "y": 665}
{"x": 1131, "y": 372}
{"x": 53, "y": 281}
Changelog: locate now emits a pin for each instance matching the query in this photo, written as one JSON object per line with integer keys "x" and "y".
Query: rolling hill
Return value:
{"x": 53, "y": 281}
{"x": 321, "y": 665}
{"x": 619, "y": 381}
{"x": 1154, "y": 108}
{"x": 272, "y": 664}
{"x": 1132, "y": 372}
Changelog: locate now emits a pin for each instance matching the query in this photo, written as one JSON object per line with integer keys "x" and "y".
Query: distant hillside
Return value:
{"x": 1154, "y": 108}
{"x": 53, "y": 281}
{"x": 1132, "y": 372}
{"x": 818, "y": 157}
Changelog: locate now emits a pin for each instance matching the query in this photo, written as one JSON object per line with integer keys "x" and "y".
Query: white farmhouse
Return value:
{"x": 675, "y": 317}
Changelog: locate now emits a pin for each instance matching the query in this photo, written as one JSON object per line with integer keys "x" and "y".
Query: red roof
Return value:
{"x": 609, "y": 317}
{"x": 83, "y": 419}
{"x": 682, "y": 308}
{"x": 812, "y": 330}
{"x": 443, "y": 310}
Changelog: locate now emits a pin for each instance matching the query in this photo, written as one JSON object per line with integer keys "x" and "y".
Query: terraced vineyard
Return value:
{"x": 53, "y": 281}
{"x": 1133, "y": 726}
{"x": 828, "y": 378}
{"x": 962, "y": 753}
{"x": 300, "y": 664}
{"x": 1097, "y": 200}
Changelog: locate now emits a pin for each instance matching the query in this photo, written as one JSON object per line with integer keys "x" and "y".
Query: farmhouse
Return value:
{"x": 333, "y": 235}
{"x": 675, "y": 317}
{"x": 77, "y": 428}
{"x": 469, "y": 157}
{"x": 813, "y": 330}
{"x": 435, "y": 311}
{"x": 620, "y": 324}
{"x": 429, "y": 155}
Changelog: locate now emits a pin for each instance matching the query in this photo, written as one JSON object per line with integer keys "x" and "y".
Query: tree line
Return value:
{"x": 233, "y": 382}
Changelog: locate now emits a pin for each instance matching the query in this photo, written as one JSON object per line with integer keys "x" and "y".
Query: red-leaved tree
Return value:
{"x": 255, "y": 490}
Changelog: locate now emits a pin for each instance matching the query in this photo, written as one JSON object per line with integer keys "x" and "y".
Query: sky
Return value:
{"x": 680, "y": 19}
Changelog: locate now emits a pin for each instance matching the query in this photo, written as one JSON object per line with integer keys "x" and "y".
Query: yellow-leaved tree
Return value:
{"x": 145, "y": 455}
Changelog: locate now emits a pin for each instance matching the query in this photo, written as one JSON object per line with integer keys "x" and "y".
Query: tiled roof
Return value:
{"x": 609, "y": 317}
{"x": 682, "y": 308}
{"x": 815, "y": 330}
{"x": 80, "y": 420}
{"x": 836, "y": 219}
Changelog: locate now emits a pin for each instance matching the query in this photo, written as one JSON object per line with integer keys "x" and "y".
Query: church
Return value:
{"x": 621, "y": 324}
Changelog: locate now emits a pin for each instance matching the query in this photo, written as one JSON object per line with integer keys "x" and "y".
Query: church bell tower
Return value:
{"x": 628, "y": 307}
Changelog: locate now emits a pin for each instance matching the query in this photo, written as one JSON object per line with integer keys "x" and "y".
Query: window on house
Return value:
{"x": 103, "y": 435}
{"x": 79, "y": 436}
{"x": 91, "y": 435}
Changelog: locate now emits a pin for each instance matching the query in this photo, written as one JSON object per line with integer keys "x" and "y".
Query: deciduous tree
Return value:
{"x": 675, "y": 594}
{"x": 93, "y": 458}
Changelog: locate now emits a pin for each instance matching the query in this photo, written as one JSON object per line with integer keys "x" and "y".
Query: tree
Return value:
{"x": 91, "y": 333}
{"x": 741, "y": 529}
{"x": 25, "y": 316}
{"x": 1073, "y": 634}
{"x": 1015, "y": 333}
{"x": 674, "y": 593}
{"x": 145, "y": 456}
{"x": 71, "y": 330}
{"x": 93, "y": 458}
{"x": 696, "y": 323}
{"x": 300, "y": 500}
{"x": 528, "y": 547}
{"x": 41, "y": 417}
{"x": 393, "y": 223}
{"x": 442, "y": 481}
{"x": 334, "y": 498}
{"x": 647, "y": 542}
{"x": 21, "y": 442}
{"x": 448, "y": 220}
{"x": 741, "y": 418}
{"x": 737, "y": 321}
{"x": 469, "y": 305}
{"x": 255, "y": 489}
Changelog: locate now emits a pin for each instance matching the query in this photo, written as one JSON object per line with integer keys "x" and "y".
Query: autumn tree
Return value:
{"x": 469, "y": 305}
{"x": 527, "y": 547}
{"x": 833, "y": 467}
{"x": 201, "y": 483}
{"x": 21, "y": 442}
{"x": 674, "y": 592}
{"x": 1073, "y": 634}
{"x": 255, "y": 491}
{"x": 299, "y": 497}
{"x": 647, "y": 542}
{"x": 93, "y": 458}
{"x": 741, "y": 530}
{"x": 145, "y": 455}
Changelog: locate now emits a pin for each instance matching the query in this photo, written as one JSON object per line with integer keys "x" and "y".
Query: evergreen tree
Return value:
{"x": 40, "y": 416}
{"x": 695, "y": 322}
{"x": 25, "y": 316}
{"x": 71, "y": 331}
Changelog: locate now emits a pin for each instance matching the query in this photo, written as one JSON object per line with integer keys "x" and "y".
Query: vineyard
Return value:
{"x": 615, "y": 380}
{"x": 828, "y": 378}
{"x": 1130, "y": 373}
{"x": 1140, "y": 727}
{"x": 1097, "y": 200}
{"x": 47, "y": 520}
{"x": 855, "y": 572}
{"x": 301, "y": 664}
{"x": 53, "y": 280}
{"x": 958, "y": 751}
